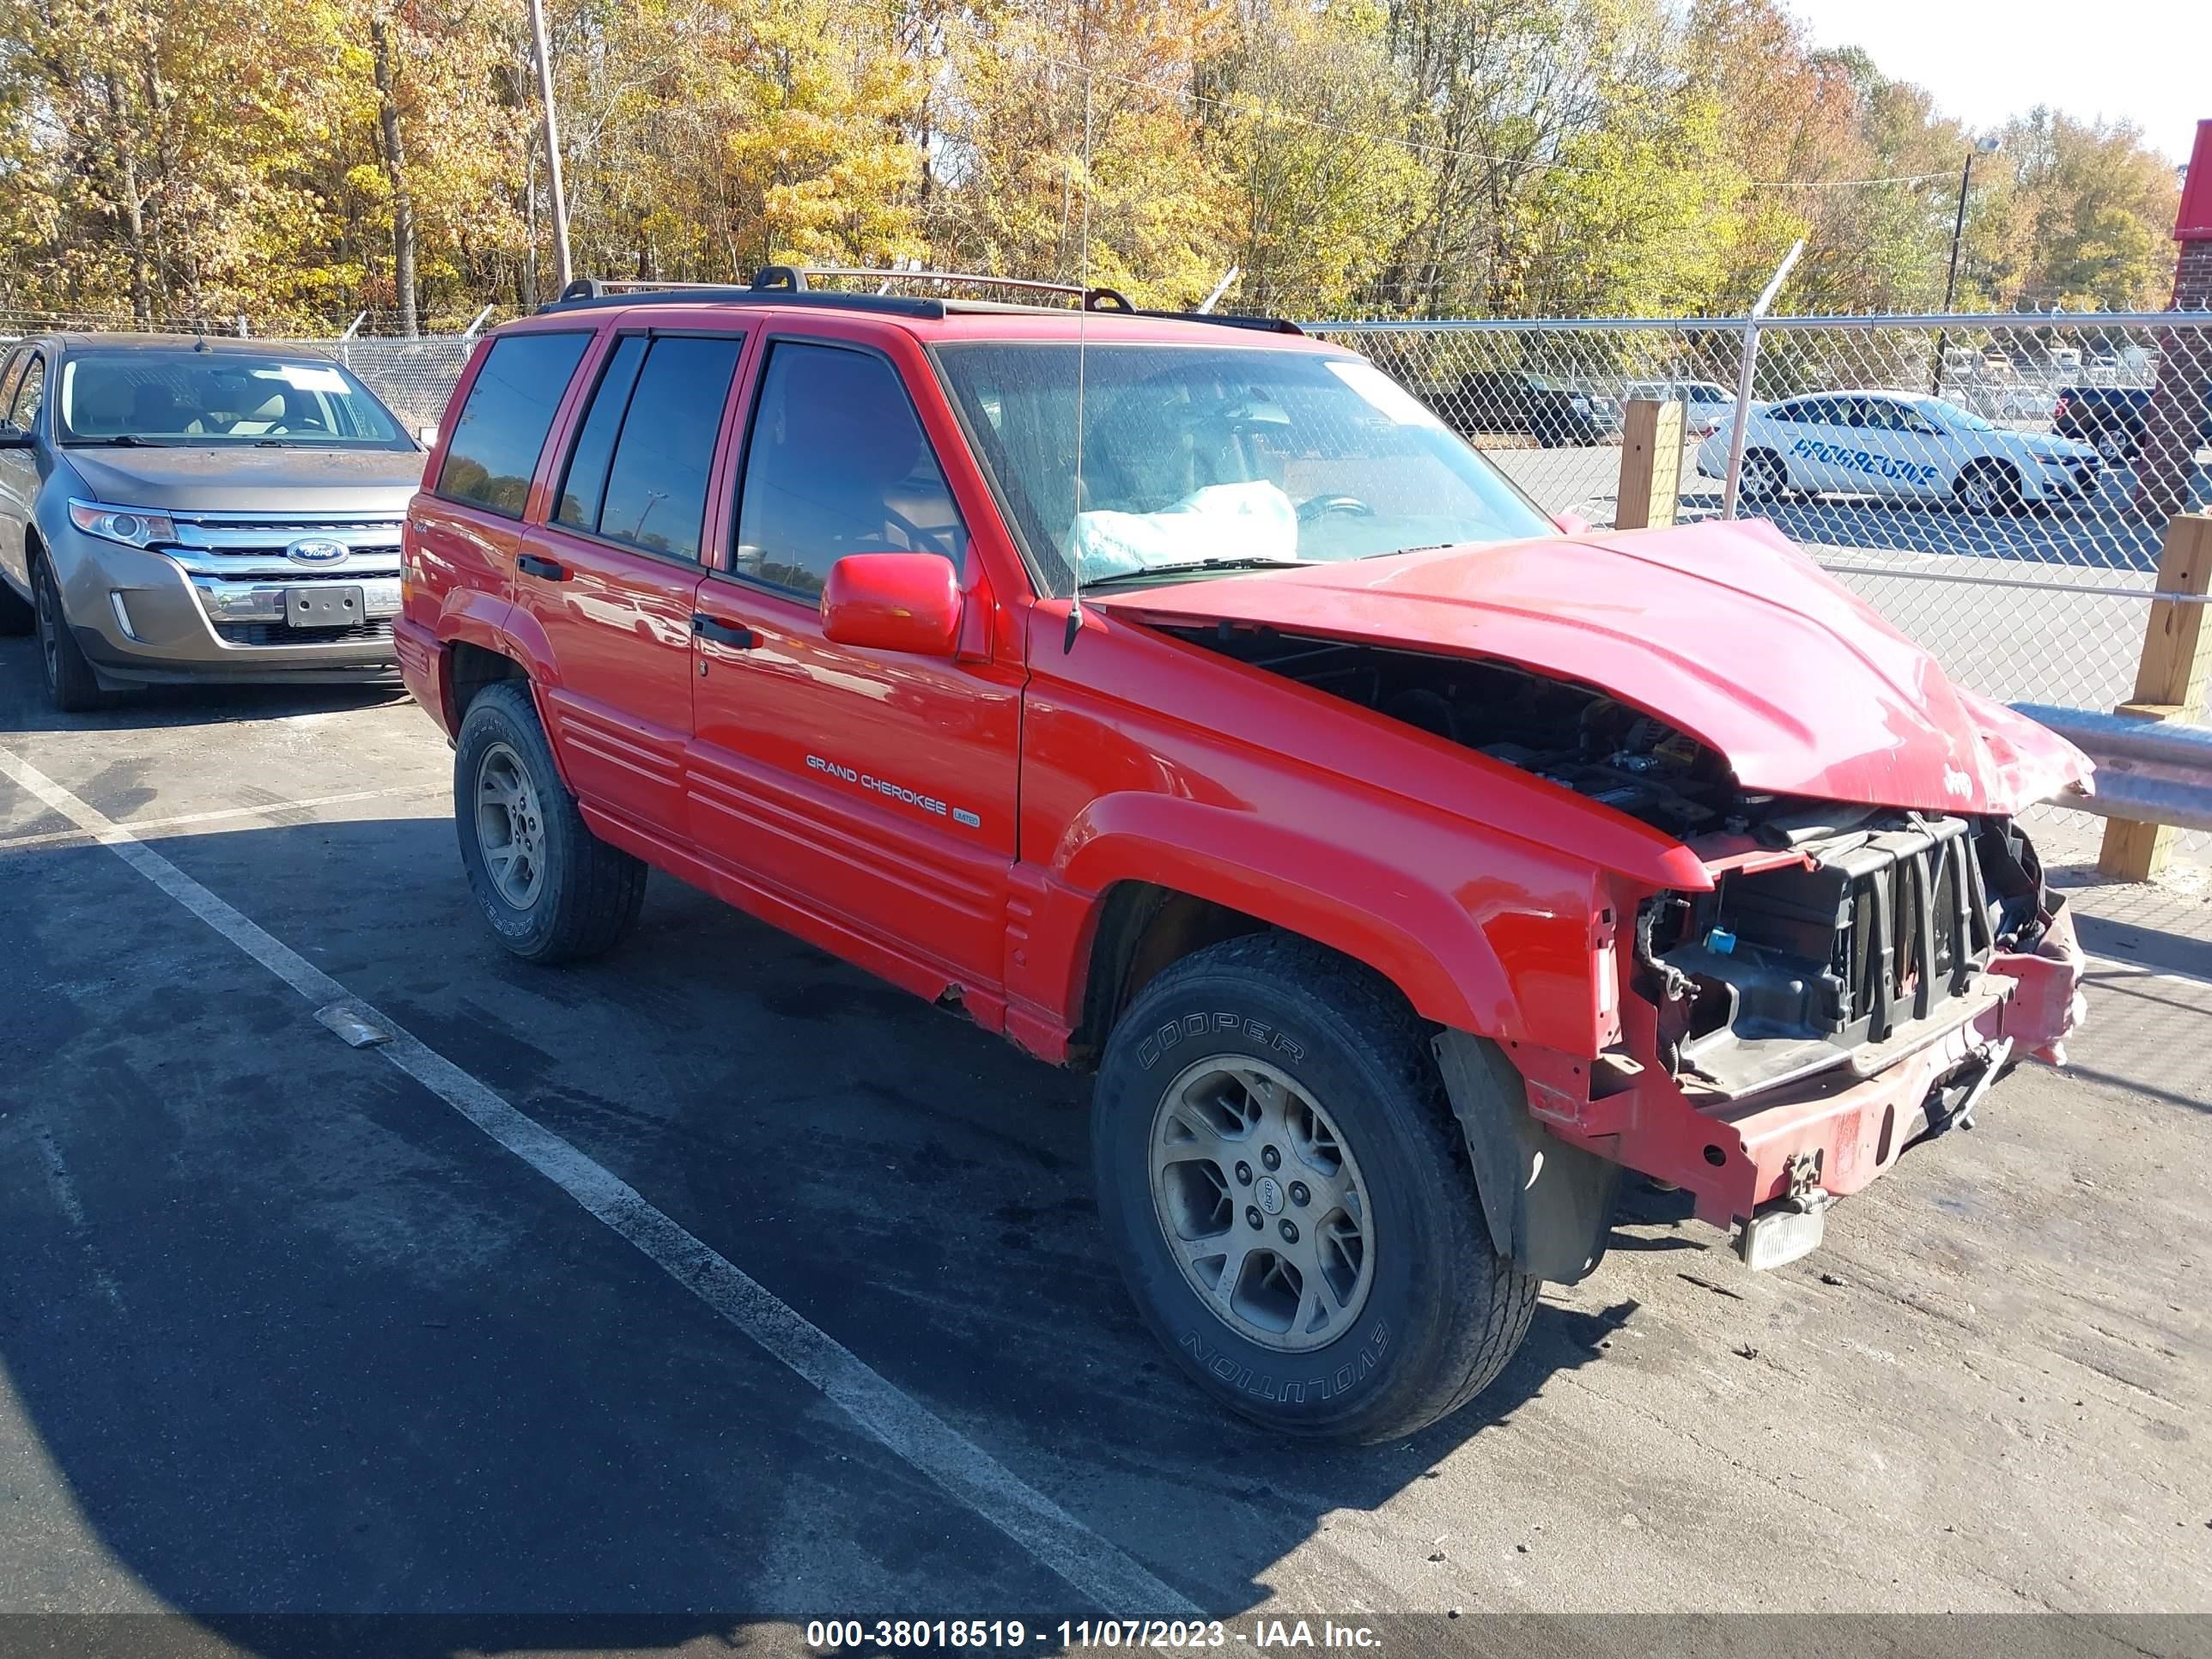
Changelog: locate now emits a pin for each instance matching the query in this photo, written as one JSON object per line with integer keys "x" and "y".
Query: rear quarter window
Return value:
{"x": 495, "y": 442}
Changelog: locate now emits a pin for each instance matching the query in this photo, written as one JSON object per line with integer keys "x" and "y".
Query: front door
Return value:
{"x": 23, "y": 390}
{"x": 874, "y": 789}
{"x": 611, "y": 575}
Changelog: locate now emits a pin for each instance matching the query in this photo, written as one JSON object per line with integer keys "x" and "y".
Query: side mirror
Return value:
{"x": 427, "y": 436}
{"x": 907, "y": 602}
{"x": 1572, "y": 524}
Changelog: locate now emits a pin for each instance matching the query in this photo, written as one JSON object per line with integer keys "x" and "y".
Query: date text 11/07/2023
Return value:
{"x": 1162, "y": 1635}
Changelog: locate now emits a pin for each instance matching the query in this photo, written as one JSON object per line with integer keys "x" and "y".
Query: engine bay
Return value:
{"x": 1570, "y": 734}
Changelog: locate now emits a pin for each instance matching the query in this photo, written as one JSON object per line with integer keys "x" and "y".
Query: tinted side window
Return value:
{"x": 656, "y": 493}
{"x": 837, "y": 464}
{"x": 494, "y": 444}
{"x": 30, "y": 392}
{"x": 585, "y": 480}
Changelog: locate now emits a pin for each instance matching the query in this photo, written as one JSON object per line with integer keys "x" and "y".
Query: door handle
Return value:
{"x": 722, "y": 633}
{"x": 531, "y": 565}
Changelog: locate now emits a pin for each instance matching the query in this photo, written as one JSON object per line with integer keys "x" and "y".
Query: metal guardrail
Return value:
{"x": 2147, "y": 771}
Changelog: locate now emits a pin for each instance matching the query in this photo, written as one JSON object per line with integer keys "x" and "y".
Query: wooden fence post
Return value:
{"x": 1650, "y": 464}
{"x": 2169, "y": 681}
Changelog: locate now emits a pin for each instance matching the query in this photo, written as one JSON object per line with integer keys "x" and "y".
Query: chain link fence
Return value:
{"x": 1998, "y": 487}
{"x": 414, "y": 374}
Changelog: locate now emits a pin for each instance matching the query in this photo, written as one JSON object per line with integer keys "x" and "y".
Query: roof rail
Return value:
{"x": 588, "y": 293}
{"x": 789, "y": 284}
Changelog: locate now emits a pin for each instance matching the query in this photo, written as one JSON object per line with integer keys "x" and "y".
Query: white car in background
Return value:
{"x": 1707, "y": 406}
{"x": 1893, "y": 443}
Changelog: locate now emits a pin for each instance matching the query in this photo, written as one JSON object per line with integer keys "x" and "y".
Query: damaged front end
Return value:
{"x": 1842, "y": 991}
{"x": 1843, "y": 946}
{"x": 1852, "y": 975}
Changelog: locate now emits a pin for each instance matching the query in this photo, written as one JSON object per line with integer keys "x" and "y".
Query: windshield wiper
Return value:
{"x": 1192, "y": 566}
{"x": 120, "y": 440}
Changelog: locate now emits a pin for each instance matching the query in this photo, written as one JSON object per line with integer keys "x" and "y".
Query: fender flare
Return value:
{"x": 1421, "y": 938}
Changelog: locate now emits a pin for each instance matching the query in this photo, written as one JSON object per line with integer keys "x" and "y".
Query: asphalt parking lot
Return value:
{"x": 288, "y": 1325}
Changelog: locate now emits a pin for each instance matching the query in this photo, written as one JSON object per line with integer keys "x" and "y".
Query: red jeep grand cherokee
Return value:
{"x": 1180, "y": 697}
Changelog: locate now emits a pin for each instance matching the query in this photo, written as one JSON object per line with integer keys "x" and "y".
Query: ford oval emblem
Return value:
{"x": 315, "y": 549}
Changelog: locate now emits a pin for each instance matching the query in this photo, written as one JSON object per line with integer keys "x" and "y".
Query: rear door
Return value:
{"x": 1815, "y": 443}
{"x": 466, "y": 526}
{"x": 611, "y": 575}
{"x": 875, "y": 789}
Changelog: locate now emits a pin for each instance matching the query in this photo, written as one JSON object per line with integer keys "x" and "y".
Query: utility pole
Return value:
{"x": 380, "y": 29}
{"x": 1982, "y": 147}
{"x": 562, "y": 273}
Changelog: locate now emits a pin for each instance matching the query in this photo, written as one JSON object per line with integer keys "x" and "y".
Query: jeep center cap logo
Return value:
{"x": 1271, "y": 1195}
{"x": 315, "y": 549}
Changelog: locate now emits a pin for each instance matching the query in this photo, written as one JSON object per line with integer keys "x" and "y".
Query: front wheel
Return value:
{"x": 1287, "y": 1194}
{"x": 1989, "y": 487}
{"x": 551, "y": 889}
{"x": 71, "y": 685}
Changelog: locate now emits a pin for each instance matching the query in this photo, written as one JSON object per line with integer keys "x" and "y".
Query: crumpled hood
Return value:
{"x": 247, "y": 479}
{"x": 1723, "y": 629}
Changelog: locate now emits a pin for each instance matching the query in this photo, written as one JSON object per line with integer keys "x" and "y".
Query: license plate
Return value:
{"x": 325, "y": 605}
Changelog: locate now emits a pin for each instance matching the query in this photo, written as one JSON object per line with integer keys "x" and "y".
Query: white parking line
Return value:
{"x": 270, "y": 809}
{"x": 1091, "y": 1563}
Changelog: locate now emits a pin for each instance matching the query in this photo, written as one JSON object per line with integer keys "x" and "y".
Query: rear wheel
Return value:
{"x": 1765, "y": 477}
{"x": 17, "y": 614}
{"x": 70, "y": 682}
{"x": 551, "y": 889}
{"x": 1288, "y": 1196}
{"x": 2112, "y": 446}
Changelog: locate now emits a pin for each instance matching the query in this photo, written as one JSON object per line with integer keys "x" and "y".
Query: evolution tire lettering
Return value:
{"x": 1197, "y": 1025}
{"x": 1290, "y": 1391}
{"x": 897, "y": 792}
{"x": 1857, "y": 460}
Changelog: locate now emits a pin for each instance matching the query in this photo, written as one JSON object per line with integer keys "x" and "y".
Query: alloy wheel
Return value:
{"x": 1262, "y": 1203}
{"x": 510, "y": 826}
{"x": 49, "y": 626}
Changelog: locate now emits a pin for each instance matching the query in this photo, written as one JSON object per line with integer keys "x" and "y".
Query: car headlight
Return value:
{"x": 1582, "y": 405}
{"x": 133, "y": 526}
{"x": 2060, "y": 460}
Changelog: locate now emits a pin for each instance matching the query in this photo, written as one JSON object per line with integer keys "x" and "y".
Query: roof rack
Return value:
{"x": 788, "y": 285}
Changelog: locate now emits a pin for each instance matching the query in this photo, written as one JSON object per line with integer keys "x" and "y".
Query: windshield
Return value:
{"x": 1951, "y": 415}
{"x": 1196, "y": 456}
{"x": 188, "y": 397}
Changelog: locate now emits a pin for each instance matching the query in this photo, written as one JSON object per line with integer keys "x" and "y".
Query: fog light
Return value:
{"x": 122, "y": 613}
{"x": 1779, "y": 1236}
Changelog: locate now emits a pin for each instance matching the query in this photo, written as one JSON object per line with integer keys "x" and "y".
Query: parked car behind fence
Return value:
{"x": 176, "y": 510}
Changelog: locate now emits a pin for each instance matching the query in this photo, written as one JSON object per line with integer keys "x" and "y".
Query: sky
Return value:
{"x": 2145, "y": 61}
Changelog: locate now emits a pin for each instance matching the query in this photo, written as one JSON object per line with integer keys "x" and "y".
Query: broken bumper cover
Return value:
{"x": 1835, "y": 1133}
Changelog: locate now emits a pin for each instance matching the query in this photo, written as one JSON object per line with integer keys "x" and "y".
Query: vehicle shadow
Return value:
{"x": 23, "y": 706}
{"x": 293, "y": 1338}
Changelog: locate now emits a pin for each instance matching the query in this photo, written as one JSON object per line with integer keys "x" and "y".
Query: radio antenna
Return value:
{"x": 1081, "y": 328}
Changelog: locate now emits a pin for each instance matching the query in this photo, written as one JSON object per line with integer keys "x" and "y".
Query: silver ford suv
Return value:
{"x": 175, "y": 508}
